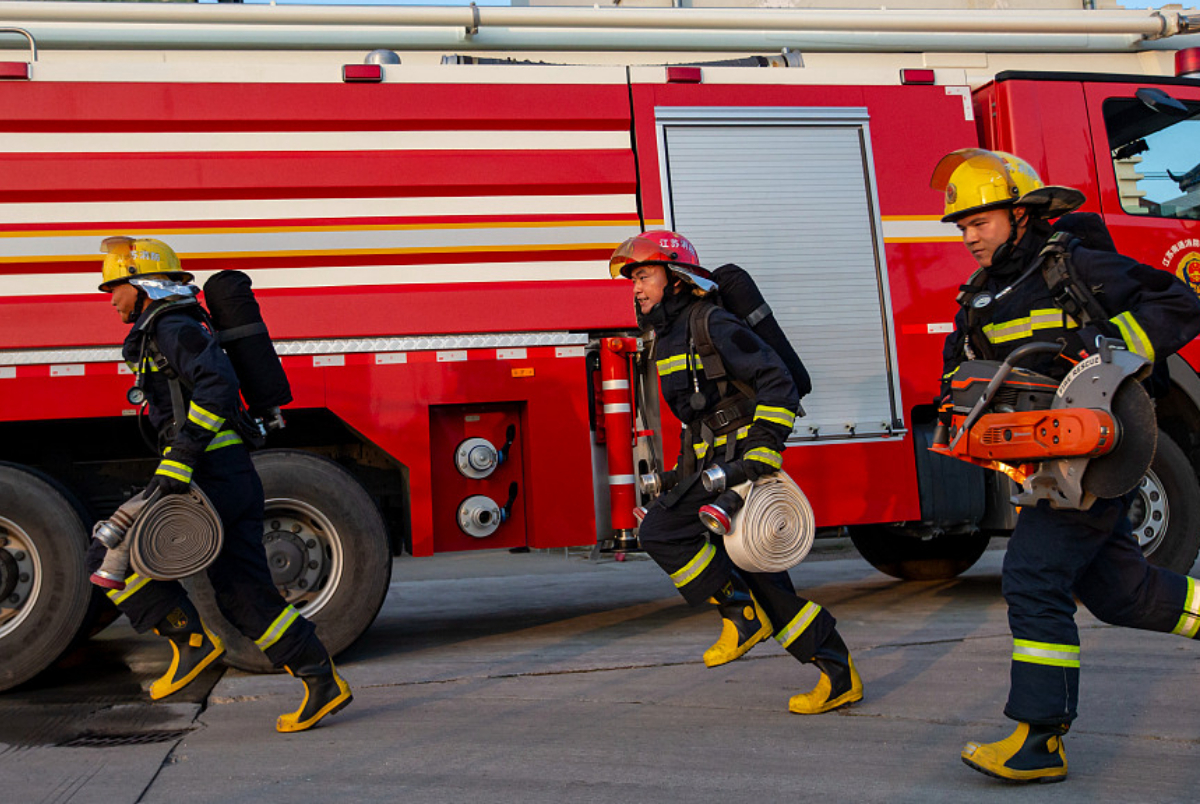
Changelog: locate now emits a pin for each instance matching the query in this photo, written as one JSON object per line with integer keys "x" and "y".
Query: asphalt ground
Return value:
{"x": 548, "y": 678}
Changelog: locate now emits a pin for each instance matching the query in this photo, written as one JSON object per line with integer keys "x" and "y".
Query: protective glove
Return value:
{"x": 755, "y": 469}
{"x": 945, "y": 418}
{"x": 174, "y": 473}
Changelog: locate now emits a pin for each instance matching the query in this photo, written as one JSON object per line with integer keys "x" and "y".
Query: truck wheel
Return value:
{"x": 900, "y": 551}
{"x": 44, "y": 588}
{"x": 1166, "y": 514}
{"x": 327, "y": 547}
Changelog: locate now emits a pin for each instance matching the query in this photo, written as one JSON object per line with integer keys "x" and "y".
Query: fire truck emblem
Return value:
{"x": 1189, "y": 270}
{"x": 1184, "y": 258}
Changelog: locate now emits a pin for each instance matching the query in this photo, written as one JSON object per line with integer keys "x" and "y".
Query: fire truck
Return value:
{"x": 425, "y": 200}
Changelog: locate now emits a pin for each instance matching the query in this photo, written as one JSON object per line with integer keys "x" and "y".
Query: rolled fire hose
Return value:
{"x": 164, "y": 538}
{"x": 176, "y": 536}
{"x": 774, "y": 530}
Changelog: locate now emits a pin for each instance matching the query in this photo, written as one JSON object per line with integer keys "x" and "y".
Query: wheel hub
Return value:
{"x": 18, "y": 575}
{"x": 1149, "y": 514}
{"x": 297, "y": 558}
{"x": 8, "y": 574}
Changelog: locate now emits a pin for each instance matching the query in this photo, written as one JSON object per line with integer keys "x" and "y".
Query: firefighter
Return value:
{"x": 1003, "y": 210}
{"x": 201, "y": 442}
{"x": 722, "y": 426}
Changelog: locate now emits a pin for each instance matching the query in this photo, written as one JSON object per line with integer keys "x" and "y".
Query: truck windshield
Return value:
{"x": 1156, "y": 156}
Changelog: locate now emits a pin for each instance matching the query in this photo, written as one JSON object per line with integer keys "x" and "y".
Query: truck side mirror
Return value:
{"x": 1160, "y": 101}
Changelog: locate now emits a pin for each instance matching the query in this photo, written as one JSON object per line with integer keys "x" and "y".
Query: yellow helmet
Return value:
{"x": 126, "y": 258}
{"x": 975, "y": 179}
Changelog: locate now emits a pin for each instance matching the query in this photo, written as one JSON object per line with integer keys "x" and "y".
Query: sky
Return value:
{"x": 373, "y": 2}
{"x": 1126, "y": 3}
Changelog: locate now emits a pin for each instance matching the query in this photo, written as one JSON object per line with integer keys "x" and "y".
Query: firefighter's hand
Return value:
{"x": 945, "y": 410}
{"x": 165, "y": 485}
{"x": 755, "y": 469}
{"x": 173, "y": 475}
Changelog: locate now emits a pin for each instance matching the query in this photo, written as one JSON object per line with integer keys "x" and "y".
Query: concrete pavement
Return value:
{"x": 545, "y": 678}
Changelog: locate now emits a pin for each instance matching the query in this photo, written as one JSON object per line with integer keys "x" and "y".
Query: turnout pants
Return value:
{"x": 699, "y": 566}
{"x": 1054, "y": 555}
{"x": 240, "y": 577}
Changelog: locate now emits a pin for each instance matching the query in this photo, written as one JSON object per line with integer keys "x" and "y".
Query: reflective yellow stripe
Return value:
{"x": 720, "y": 441}
{"x": 1134, "y": 336}
{"x": 768, "y": 456}
{"x": 278, "y": 628}
{"x": 1024, "y": 327}
{"x": 200, "y": 416}
{"x": 132, "y": 584}
{"x": 175, "y": 469}
{"x": 674, "y": 363}
{"x": 693, "y": 568}
{"x": 1189, "y": 621}
{"x": 225, "y": 438}
{"x": 1046, "y": 653}
{"x": 775, "y": 415}
{"x": 800, "y": 622}
{"x": 149, "y": 366}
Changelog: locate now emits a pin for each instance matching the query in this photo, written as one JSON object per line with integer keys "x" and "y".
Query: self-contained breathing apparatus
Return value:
{"x": 235, "y": 320}
{"x": 781, "y": 500}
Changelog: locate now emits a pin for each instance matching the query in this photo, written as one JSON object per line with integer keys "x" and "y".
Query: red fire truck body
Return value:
{"x": 429, "y": 250}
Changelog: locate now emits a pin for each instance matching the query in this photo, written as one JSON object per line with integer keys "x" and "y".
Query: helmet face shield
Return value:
{"x": 157, "y": 288}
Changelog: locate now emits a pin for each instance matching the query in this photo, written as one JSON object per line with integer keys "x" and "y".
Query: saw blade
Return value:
{"x": 1122, "y": 469}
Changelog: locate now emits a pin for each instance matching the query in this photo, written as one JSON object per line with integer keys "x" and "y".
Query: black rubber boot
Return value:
{"x": 193, "y": 649}
{"x": 743, "y": 623}
{"x": 1029, "y": 754}
{"x": 325, "y": 692}
{"x": 839, "y": 684}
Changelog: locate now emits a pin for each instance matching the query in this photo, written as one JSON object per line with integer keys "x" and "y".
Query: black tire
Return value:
{"x": 900, "y": 551}
{"x": 44, "y": 580}
{"x": 340, "y": 531}
{"x": 1166, "y": 514}
{"x": 101, "y": 612}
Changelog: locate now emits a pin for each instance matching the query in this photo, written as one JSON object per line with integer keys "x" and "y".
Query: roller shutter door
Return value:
{"x": 787, "y": 195}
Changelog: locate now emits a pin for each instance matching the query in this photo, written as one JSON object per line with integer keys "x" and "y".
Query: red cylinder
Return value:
{"x": 1187, "y": 62}
{"x": 617, "y": 398}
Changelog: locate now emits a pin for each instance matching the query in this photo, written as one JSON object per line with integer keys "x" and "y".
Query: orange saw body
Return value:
{"x": 1091, "y": 436}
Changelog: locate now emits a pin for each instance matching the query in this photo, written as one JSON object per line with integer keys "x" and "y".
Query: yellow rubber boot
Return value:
{"x": 1029, "y": 754}
{"x": 836, "y": 688}
{"x": 743, "y": 625}
{"x": 325, "y": 693}
{"x": 193, "y": 648}
{"x": 839, "y": 684}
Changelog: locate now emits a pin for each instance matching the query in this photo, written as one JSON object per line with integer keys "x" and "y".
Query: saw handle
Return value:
{"x": 1002, "y": 373}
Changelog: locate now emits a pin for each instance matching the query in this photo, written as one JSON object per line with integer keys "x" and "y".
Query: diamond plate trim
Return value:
{"x": 37, "y": 357}
{"x": 429, "y": 343}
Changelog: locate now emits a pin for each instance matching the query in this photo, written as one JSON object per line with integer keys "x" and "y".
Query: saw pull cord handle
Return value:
{"x": 1001, "y": 375}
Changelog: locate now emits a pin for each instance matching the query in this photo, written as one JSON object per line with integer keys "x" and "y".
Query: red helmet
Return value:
{"x": 668, "y": 249}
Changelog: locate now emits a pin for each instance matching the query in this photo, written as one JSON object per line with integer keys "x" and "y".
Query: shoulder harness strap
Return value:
{"x": 1058, "y": 269}
{"x": 701, "y": 339}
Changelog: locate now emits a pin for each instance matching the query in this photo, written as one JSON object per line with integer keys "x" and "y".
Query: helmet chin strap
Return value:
{"x": 1004, "y": 250}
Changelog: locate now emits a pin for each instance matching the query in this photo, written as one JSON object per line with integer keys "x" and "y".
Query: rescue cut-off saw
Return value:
{"x": 1091, "y": 436}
